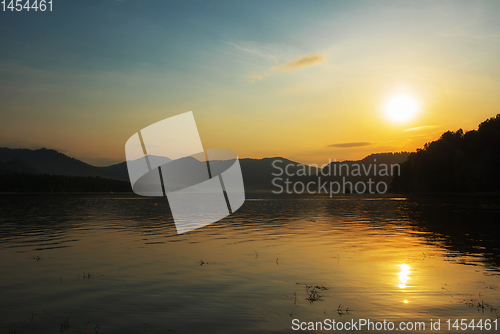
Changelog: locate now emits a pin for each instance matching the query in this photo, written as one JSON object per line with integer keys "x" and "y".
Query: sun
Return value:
{"x": 401, "y": 108}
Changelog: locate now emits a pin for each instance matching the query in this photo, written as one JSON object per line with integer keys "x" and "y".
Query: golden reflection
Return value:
{"x": 403, "y": 275}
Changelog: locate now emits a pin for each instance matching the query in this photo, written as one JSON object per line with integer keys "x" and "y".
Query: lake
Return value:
{"x": 113, "y": 263}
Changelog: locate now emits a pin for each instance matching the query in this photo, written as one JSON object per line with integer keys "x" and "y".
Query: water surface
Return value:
{"x": 115, "y": 264}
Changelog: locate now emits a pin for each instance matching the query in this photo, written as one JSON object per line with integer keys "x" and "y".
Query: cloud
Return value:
{"x": 262, "y": 51}
{"x": 348, "y": 145}
{"x": 255, "y": 77}
{"x": 305, "y": 61}
{"x": 418, "y": 128}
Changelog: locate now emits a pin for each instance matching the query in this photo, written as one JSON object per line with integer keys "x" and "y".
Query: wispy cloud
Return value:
{"x": 348, "y": 145}
{"x": 419, "y": 128}
{"x": 301, "y": 62}
{"x": 305, "y": 61}
{"x": 255, "y": 49}
{"x": 255, "y": 77}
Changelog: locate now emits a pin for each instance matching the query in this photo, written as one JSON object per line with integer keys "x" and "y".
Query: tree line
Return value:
{"x": 24, "y": 182}
{"x": 456, "y": 162}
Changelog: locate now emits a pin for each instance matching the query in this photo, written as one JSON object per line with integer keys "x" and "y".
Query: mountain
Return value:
{"x": 121, "y": 170}
{"x": 376, "y": 168}
{"x": 17, "y": 166}
{"x": 44, "y": 183}
{"x": 386, "y": 158}
{"x": 117, "y": 169}
{"x": 258, "y": 174}
{"x": 50, "y": 162}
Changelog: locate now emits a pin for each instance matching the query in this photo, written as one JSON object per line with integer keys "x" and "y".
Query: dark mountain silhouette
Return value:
{"x": 117, "y": 169}
{"x": 120, "y": 169}
{"x": 23, "y": 182}
{"x": 456, "y": 162}
{"x": 17, "y": 166}
{"x": 374, "y": 172}
{"x": 385, "y": 158}
{"x": 51, "y": 162}
{"x": 257, "y": 173}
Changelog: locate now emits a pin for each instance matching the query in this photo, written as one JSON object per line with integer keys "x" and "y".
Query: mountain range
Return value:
{"x": 257, "y": 173}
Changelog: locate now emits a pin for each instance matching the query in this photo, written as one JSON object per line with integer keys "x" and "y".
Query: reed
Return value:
{"x": 64, "y": 327}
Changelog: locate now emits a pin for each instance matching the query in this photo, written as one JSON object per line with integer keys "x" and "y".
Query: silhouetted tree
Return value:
{"x": 457, "y": 161}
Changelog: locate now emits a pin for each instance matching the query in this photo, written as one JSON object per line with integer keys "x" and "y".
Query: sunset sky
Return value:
{"x": 304, "y": 80}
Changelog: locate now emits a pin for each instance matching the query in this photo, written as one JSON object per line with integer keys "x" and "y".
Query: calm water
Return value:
{"x": 114, "y": 263}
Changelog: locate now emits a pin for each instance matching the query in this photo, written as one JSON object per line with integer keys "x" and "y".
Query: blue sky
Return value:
{"x": 88, "y": 75}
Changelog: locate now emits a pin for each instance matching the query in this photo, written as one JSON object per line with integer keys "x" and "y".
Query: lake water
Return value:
{"x": 115, "y": 264}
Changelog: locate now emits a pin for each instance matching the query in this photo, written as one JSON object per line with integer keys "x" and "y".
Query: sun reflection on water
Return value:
{"x": 403, "y": 276}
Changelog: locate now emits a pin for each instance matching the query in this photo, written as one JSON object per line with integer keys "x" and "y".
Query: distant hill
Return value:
{"x": 373, "y": 168}
{"x": 386, "y": 158}
{"x": 17, "y": 166}
{"x": 257, "y": 173}
{"x": 23, "y": 182}
{"x": 456, "y": 162}
{"x": 50, "y": 162}
{"x": 121, "y": 170}
{"x": 374, "y": 159}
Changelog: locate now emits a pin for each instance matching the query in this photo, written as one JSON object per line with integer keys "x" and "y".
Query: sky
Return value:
{"x": 305, "y": 80}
